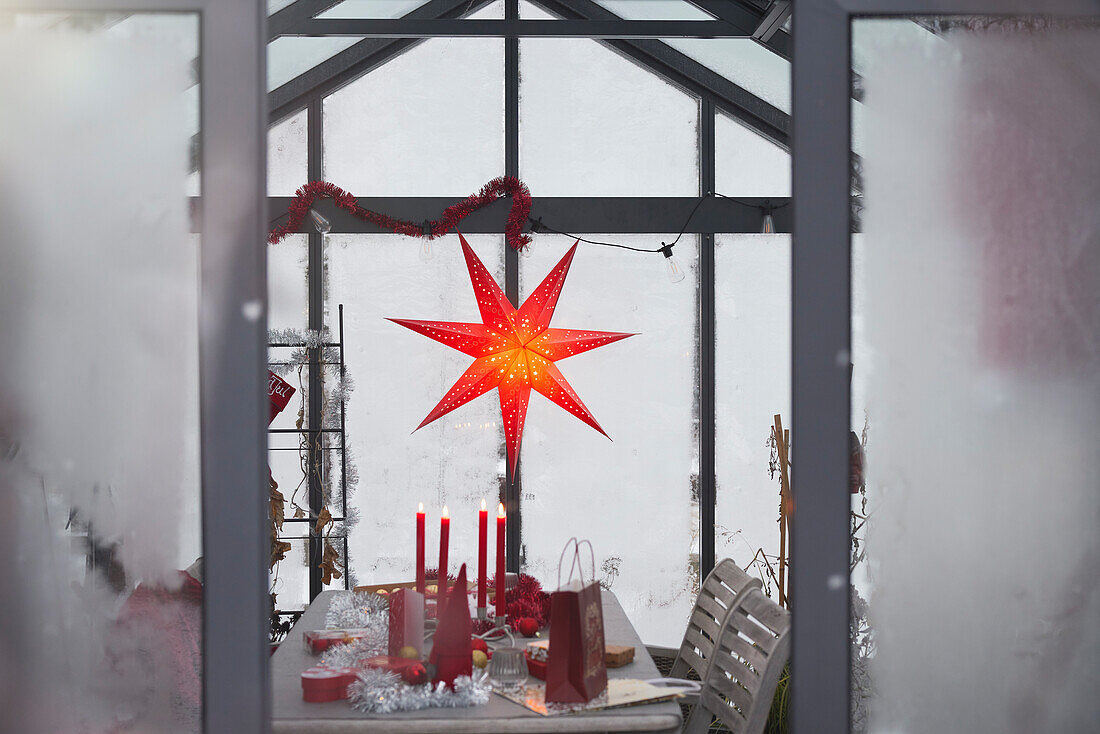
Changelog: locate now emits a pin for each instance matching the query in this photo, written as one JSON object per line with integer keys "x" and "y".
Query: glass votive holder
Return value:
{"x": 508, "y": 669}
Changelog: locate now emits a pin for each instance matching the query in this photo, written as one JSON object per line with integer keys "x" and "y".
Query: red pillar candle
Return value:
{"x": 444, "y": 541}
{"x": 500, "y": 613}
{"x": 482, "y": 556}
{"x": 420, "y": 549}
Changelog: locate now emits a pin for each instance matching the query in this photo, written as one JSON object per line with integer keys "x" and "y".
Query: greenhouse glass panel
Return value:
{"x": 655, "y": 10}
{"x": 288, "y": 56}
{"x": 746, "y": 164}
{"x": 399, "y": 376}
{"x": 642, "y": 391}
{"x": 743, "y": 61}
{"x": 371, "y": 9}
{"x": 752, "y": 362}
{"x": 99, "y": 375}
{"x": 427, "y": 123}
{"x": 593, "y": 123}
{"x": 286, "y": 155}
{"x": 981, "y": 317}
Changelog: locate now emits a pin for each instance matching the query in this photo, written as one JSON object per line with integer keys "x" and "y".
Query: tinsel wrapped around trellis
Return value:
{"x": 382, "y": 692}
{"x": 338, "y": 389}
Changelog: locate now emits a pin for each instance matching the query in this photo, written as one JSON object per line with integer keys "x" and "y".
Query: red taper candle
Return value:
{"x": 501, "y": 614}
{"x": 444, "y": 541}
{"x": 420, "y": 548}
{"x": 482, "y": 554}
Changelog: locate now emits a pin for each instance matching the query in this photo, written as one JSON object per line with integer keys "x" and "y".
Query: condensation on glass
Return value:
{"x": 399, "y": 376}
{"x": 99, "y": 445}
{"x": 287, "y": 155}
{"x": 643, "y": 392}
{"x": 979, "y": 359}
{"x": 752, "y": 275}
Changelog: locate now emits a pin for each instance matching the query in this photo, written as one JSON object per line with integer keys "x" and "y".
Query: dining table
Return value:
{"x": 291, "y": 715}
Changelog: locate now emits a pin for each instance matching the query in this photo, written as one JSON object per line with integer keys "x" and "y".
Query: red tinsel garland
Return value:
{"x": 525, "y": 599}
{"x": 449, "y": 219}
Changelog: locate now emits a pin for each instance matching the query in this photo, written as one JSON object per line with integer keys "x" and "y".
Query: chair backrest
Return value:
{"x": 717, "y": 596}
{"x": 745, "y": 667}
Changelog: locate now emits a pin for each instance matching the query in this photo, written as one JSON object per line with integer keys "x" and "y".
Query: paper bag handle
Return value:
{"x": 577, "y": 560}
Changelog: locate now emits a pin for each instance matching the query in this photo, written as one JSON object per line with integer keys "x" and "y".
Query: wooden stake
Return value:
{"x": 782, "y": 439}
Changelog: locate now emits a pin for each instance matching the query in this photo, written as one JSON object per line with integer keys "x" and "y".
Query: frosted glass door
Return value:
{"x": 980, "y": 361}
{"x": 99, "y": 388}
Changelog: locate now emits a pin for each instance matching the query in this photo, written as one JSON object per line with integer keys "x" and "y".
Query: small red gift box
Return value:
{"x": 317, "y": 641}
{"x": 320, "y": 685}
{"x": 406, "y": 621}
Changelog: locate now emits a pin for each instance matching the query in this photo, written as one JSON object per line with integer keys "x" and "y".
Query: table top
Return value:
{"x": 289, "y": 713}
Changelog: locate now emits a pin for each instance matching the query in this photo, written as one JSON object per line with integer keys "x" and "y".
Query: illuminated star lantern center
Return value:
{"x": 514, "y": 350}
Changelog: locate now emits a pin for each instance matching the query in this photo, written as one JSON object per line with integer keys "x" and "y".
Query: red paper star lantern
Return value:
{"x": 513, "y": 350}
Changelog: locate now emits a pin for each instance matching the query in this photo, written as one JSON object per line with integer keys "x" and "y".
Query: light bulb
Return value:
{"x": 425, "y": 250}
{"x": 768, "y": 224}
{"x": 320, "y": 223}
{"x": 675, "y": 272}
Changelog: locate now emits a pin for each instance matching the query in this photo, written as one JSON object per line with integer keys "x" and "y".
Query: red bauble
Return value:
{"x": 415, "y": 674}
{"x": 527, "y": 626}
{"x": 479, "y": 644}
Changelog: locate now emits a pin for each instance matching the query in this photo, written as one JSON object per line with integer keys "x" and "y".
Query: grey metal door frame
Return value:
{"x": 821, "y": 319}
{"x": 232, "y": 338}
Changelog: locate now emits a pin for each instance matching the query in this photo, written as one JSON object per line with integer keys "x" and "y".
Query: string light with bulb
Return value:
{"x": 672, "y": 266}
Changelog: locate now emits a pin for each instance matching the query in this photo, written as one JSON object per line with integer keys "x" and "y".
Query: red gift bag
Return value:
{"x": 576, "y": 670}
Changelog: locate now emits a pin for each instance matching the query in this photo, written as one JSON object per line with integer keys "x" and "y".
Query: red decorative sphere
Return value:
{"x": 477, "y": 643}
{"x": 415, "y": 674}
{"x": 527, "y": 626}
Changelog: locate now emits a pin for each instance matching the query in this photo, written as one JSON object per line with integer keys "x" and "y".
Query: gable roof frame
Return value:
{"x": 685, "y": 72}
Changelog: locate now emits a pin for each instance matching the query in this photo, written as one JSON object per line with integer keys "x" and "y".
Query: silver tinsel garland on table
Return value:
{"x": 349, "y": 655}
{"x": 357, "y": 610}
{"x": 383, "y": 692}
{"x": 354, "y": 610}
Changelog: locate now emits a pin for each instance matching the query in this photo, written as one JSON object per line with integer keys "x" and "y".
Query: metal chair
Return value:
{"x": 744, "y": 667}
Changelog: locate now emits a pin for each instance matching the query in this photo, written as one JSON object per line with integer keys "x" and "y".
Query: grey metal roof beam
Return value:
{"x": 466, "y": 28}
{"x": 773, "y": 21}
{"x": 283, "y": 22}
{"x": 683, "y": 71}
{"x": 747, "y": 20}
{"x": 612, "y": 215}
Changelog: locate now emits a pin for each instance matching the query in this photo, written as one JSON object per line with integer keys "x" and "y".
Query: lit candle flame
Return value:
{"x": 420, "y": 507}
{"x": 483, "y": 503}
{"x": 445, "y": 513}
{"x": 500, "y": 510}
